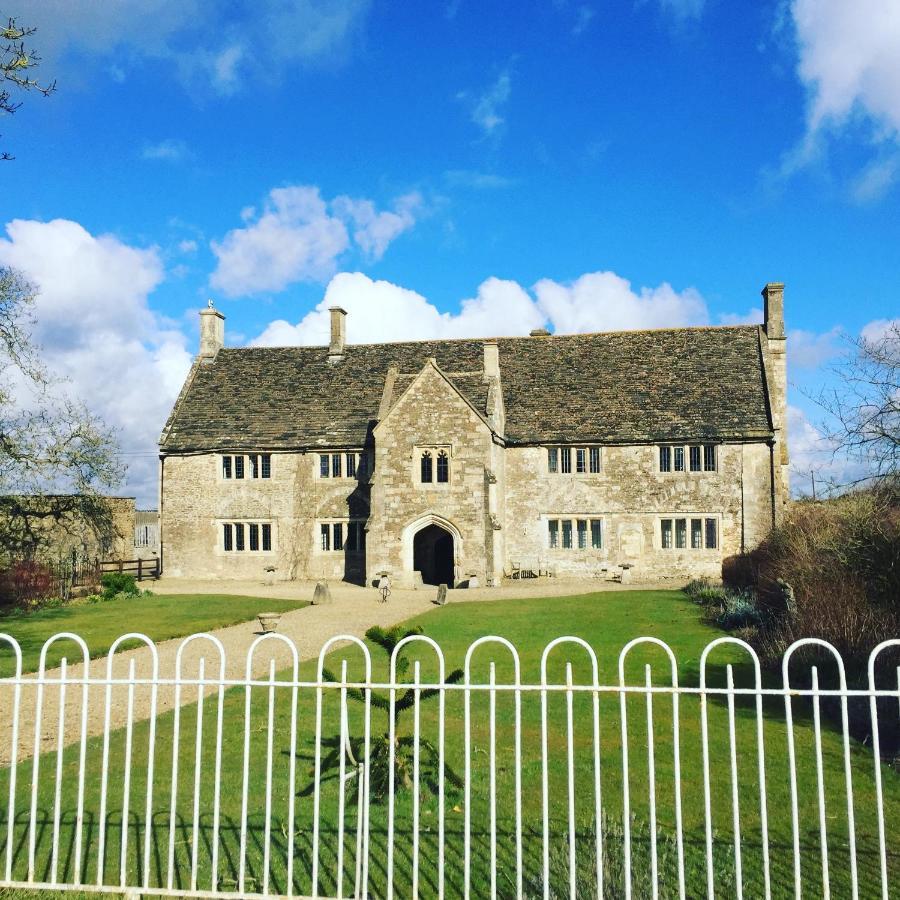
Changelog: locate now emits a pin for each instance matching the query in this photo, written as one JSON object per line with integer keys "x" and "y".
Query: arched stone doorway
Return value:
{"x": 433, "y": 555}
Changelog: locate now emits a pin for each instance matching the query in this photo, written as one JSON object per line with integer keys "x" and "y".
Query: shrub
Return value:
{"x": 695, "y": 585}
{"x": 114, "y": 583}
{"x": 26, "y": 583}
{"x": 841, "y": 559}
{"x": 713, "y": 596}
{"x": 705, "y": 593}
{"x": 739, "y": 611}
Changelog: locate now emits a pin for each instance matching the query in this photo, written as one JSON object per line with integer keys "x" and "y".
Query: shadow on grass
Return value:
{"x": 491, "y": 861}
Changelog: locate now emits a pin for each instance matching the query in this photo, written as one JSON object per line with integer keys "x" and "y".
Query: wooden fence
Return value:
{"x": 140, "y": 568}
{"x": 25, "y": 580}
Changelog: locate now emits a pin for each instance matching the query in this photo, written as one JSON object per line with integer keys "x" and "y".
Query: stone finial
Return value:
{"x": 322, "y": 593}
{"x": 773, "y": 309}
{"x": 338, "y": 331}
{"x": 212, "y": 332}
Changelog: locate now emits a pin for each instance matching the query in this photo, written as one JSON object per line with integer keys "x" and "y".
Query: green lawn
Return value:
{"x": 159, "y": 616}
{"x": 607, "y": 621}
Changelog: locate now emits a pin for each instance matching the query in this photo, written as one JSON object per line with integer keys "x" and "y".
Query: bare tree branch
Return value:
{"x": 863, "y": 410}
{"x": 16, "y": 59}
{"x": 56, "y": 458}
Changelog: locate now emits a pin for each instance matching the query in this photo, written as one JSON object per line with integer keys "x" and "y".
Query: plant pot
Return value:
{"x": 269, "y": 621}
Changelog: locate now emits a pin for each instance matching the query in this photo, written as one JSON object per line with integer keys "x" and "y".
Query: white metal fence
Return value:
{"x": 548, "y": 775}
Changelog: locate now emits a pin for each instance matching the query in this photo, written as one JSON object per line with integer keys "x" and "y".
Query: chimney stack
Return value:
{"x": 773, "y": 309}
{"x": 491, "y": 359}
{"x": 338, "y": 332}
{"x": 212, "y": 333}
{"x": 773, "y": 299}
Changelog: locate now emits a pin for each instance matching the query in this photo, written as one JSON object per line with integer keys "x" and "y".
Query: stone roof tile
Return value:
{"x": 614, "y": 387}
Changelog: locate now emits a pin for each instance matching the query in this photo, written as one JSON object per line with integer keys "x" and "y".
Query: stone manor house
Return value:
{"x": 660, "y": 451}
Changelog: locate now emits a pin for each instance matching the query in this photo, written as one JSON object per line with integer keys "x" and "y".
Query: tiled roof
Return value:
{"x": 615, "y": 387}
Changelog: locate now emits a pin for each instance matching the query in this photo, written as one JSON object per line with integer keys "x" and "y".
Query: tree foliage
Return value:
{"x": 56, "y": 458}
{"x": 16, "y": 62}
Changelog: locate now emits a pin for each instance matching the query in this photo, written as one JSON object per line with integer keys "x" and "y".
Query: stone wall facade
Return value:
{"x": 497, "y": 505}
{"x": 197, "y": 502}
{"x": 630, "y": 496}
{"x": 431, "y": 416}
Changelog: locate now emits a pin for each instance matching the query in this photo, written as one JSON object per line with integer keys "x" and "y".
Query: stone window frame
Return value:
{"x": 245, "y": 527}
{"x": 689, "y": 518}
{"x": 573, "y": 519}
{"x": 564, "y": 459}
{"x": 435, "y": 450}
{"x": 252, "y": 466}
{"x": 682, "y": 454}
{"x": 340, "y": 459}
{"x": 347, "y": 525}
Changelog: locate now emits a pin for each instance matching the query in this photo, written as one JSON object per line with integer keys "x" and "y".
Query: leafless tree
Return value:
{"x": 16, "y": 61}
{"x": 56, "y": 458}
{"x": 863, "y": 408}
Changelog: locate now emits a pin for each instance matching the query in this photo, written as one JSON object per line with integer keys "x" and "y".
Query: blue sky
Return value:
{"x": 448, "y": 169}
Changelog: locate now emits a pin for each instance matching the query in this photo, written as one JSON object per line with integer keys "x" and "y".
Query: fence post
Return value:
{"x": 139, "y": 562}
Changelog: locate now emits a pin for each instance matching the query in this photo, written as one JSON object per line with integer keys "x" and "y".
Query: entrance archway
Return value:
{"x": 433, "y": 555}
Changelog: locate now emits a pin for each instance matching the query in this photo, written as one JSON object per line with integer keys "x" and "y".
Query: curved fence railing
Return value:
{"x": 477, "y": 771}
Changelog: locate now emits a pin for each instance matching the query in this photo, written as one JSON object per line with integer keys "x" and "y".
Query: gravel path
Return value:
{"x": 352, "y": 611}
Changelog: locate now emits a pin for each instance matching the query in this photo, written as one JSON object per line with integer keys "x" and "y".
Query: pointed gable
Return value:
{"x": 407, "y": 388}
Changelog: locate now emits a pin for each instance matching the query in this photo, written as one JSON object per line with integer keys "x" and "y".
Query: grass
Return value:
{"x": 607, "y": 621}
{"x": 159, "y": 616}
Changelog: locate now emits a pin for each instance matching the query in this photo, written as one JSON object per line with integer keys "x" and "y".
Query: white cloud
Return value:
{"x": 96, "y": 328}
{"x": 187, "y": 246}
{"x": 223, "y": 67}
{"x": 849, "y": 61}
{"x": 753, "y": 316}
{"x": 583, "y": 17}
{"x": 299, "y": 236}
{"x": 374, "y": 230}
{"x": 875, "y": 180}
{"x": 472, "y": 178}
{"x": 294, "y": 239}
{"x": 169, "y": 150}
{"x": 205, "y": 42}
{"x": 875, "y": 331}
{"x": 814, "y": 459}
{"x": 380, "y": 311}
{"x": 486, "y": 108}
{"x": 810, "y": 453}
{"x": 809, "y": 350}
{"x": 683, "y": 9}
{"x": 604, "y": 301}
